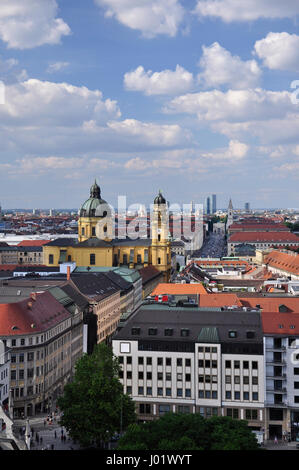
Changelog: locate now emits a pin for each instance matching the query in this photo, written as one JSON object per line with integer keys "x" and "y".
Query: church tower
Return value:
{"x": 94, "y": 210}
{"x": 230, "y": 215}
{"x": 161, "y": 249}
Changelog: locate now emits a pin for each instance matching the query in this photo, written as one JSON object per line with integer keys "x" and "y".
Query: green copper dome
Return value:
{"x": 88, "y": 209}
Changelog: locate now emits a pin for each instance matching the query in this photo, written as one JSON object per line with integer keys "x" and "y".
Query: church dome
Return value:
{"x": 159, "y": 199}
{"x": 88, "y": 209}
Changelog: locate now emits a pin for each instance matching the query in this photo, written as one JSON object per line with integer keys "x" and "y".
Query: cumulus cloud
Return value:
{"x": 166, "y": 82}
{"x": 233, "y": 105}
{"x": 151, "y": 133}
{"x": 220, "y": 67}
{"x": 279, "y": 51}
{"x": 31, "y": 23}
{"x": 236, "y": 151}
{"x": 37, "y": 102}
{"x": 247, "y": 10}
{"x": 151, "y": 17}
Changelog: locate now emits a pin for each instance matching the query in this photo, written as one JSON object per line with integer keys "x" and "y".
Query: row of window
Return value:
{"x": 4, "y": 374}
{"x": 237, "y": 364}
{"x": 237, "y": 395}
{"x": 136, "y": 331}
{"x": 206, "y": 412}
{"x": 180, "y": 392}
{"x": 201, "y": 363}
{"x": 237, "y": 379}
{"x": 160, "y": 361}
{"x": 160, "y": 376}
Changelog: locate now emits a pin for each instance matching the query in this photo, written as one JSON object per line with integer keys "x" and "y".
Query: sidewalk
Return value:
{"x": 49, "y": 435}
{"x": 281, "y": 445}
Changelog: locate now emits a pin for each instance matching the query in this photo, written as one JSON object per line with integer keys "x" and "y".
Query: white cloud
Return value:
{"x": 279, "y": 51}
{"x": 31, "y": 23}
{"x": 151, "y": 133}
{"x": 233, "y": 105}
{"x": 57, "y": 67}
{"x": 276, "y": 131}
{"x": 151, "y": 17}
{"x": 138, "y": 164}
{"x": 247, "y": 10}
{"x": 166, "y": 82}
{"x": 222, "y": 68}
{"x": 37, "y": 102}
{"x": 236, "y": 151}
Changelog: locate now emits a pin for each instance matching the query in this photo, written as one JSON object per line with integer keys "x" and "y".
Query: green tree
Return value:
{"x": 184, "y": 432}
{"x": 94, "y": 406}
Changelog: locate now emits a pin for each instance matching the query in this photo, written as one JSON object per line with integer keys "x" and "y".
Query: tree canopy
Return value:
{"x": 183, "y": 432}
{"x": 94, "y": 406}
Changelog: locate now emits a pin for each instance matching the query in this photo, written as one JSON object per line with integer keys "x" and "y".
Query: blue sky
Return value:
{"x": 193, "y": 97}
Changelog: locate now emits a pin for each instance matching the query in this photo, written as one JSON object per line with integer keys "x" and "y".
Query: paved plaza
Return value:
{"x": 47, "y": 434}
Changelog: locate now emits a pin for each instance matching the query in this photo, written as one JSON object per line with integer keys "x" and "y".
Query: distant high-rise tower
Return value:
{"x": 214, "y": 204}
{"x": 0, "y": 212}
{"x": 208, "y": 206}
{"x": 230, "y": 215}
{"x": 247, "y": 206}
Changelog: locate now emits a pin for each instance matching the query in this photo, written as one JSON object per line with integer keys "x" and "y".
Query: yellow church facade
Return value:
{"x": 98, "y": 247}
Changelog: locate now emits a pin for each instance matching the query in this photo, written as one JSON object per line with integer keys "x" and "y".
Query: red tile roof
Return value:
{"x": 280, "y": 323}
{"x": 271, "y": 304}
{"x": 31, "y": 316}
{"x": 33, "y": 242}
{"x": 268, "y": 237}
{"x": 259, "y": 227}
{"x": 148, "y": 273}
{"x": 284, "y": 261}
{"x": 219, "y": 300}
{"x": 8, "y": 267}
{"x": 179, "y": 289}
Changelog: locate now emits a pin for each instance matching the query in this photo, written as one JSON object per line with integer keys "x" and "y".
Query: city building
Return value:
{"x": 107, "y": 250}
{"x": 208, "y": 206}
{"x": 262, "y": 240}
{"x": 214, "y": 203}
{"x": 44, "y": 341}
{"x": 193, "y": 360}
{"x": 283, "y": 263}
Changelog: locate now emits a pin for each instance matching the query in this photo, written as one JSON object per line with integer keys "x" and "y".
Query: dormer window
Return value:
{"x": 232, "y": 334}
{"x": 185, "y": 332}
{"x": 152, "y": 331}
{"x": 135, "y": 331}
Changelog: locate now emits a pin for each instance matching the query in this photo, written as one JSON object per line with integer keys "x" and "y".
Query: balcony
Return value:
{"x": 276, "y": 376}
{"x": 275, "y": 348}
{"x": 276, "y": 362}
{"x": 283, "y": 404}
{"x": 274, "y": 389}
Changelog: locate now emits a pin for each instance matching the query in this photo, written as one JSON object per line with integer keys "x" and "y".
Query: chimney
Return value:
{"x": 68, "y": 275}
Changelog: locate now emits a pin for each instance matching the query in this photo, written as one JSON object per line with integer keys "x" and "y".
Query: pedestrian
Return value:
{"x": 275, "y": 440}
{"x": 55, "y": 435}
{"x": 41, "y": 439}
{"x": 52, "y": 446}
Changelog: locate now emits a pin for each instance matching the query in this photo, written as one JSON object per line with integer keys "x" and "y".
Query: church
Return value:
{"x": 98, "y": 246}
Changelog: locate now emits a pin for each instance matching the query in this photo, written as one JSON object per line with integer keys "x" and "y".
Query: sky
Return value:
{"x": 193, "y": 97}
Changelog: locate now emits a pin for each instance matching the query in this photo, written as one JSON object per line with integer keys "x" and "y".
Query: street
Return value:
{"x": 214, "y": 246}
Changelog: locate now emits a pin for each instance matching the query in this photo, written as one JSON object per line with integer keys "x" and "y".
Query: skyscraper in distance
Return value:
{"x": 214, "y": 204}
